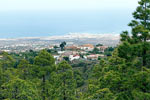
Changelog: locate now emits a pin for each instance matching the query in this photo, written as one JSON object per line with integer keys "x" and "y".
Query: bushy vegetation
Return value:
{"x": 123, "y": 75}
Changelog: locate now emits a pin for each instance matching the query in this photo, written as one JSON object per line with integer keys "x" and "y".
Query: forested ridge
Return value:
{"x": 123, "y": 76}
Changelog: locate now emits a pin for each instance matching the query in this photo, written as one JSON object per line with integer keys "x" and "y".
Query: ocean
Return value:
{"x": 50, "y": 23}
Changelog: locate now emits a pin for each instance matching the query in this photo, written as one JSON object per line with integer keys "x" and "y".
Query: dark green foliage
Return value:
{"x": 6, "y": 61}
{"x": 140, "y": 33}
{"x": 66, "y": 81}
{"x": 123, "y": 75}
{"x": 24, "y": 69}
{"x": 44, "y": 63}
{"x": 17, "y": 89}
{"x": 95, "y": 51}
{"x": 66, "y": 58}
{"x": 108, "y": 51}
{"x": 55, "y": 47}
{"x": 62, "y": 45}
{"x": 99, "y": 45}
{"x": 44, "y": 59}
{"x": 78, "y": 76}
{"x": 52, "y": 51}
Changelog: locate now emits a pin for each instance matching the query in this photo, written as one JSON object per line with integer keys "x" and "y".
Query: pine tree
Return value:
{"x": 62, "y": 45}
{"x": 66, "y": 81}
{"x": 44, "y": 66}
{"x": 24, "y": 69}
{"x": 140, "y": 33}
{"x": 18, "y": 89}
{"x": 1, "y": 81}
{"x": 126, "y": 73}
{"x": 6, "y": 61}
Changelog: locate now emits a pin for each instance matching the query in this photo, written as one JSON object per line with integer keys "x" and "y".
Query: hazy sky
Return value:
{"x": 30, "y": 18}
{"x": 20, "y": 5}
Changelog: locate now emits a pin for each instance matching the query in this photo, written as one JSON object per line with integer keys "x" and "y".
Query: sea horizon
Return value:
{"x": 62, "y": 35}
{"x": 18, "y": 24}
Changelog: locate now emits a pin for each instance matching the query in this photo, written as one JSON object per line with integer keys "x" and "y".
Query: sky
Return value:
{"x": 53, "y": 5}
{"x": 34, "y": 18}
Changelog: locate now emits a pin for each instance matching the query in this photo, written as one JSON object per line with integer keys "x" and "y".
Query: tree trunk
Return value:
{"x": 144, "y": 47}
{"x": 15, "y": 94}
{"x": 144, "y": 57}
{"x": 3, "y": 96}
{"x": 65, "y": 98}
{"x": 43, "y": 87}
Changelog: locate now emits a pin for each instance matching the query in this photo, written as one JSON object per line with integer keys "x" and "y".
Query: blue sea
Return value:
{"x": 48, "y": 23}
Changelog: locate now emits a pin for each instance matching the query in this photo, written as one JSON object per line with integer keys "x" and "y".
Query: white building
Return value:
{"x": 56, "y": 57}
{"x": 87, "y": 47}
{"x": 61, "y": 52}
{"x": 74, "y": 57}
{"x": 102, "y": 48}
{"x": 51, "y": 47}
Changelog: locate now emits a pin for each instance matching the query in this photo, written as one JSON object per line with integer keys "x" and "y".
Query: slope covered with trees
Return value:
{"x": 126, "y": 74}
{"x": 123, "y": 76}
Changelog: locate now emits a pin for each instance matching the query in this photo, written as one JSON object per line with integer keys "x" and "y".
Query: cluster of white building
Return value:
{"x": 75, "y": 52}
